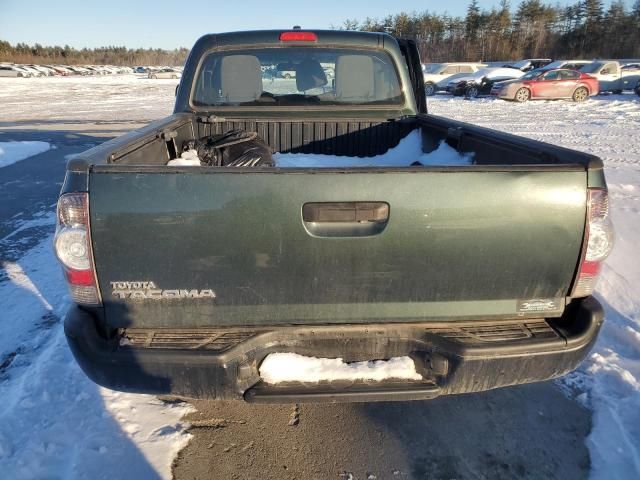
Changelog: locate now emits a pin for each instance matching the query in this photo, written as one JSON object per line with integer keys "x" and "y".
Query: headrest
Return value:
{"x": 240, "y": 78}
{"x": 310, "y": 74}
{"x": 354, "y": 78}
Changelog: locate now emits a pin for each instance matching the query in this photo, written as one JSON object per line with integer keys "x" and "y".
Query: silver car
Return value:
{"x": 13, "y": 71}
{"x": 165, "y": 73}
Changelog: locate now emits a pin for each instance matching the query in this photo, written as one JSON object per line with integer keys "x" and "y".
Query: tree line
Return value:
{"x": 533, "y": 29}
{"x": 38, "y": 54}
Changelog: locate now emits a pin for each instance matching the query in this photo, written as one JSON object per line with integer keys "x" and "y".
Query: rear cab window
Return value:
{"x": 297, "y": 76}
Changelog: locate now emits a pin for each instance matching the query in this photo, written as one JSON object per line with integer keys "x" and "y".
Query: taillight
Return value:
{"x": 298, "y": 37}
{"x": 598, "y": 242}
{"x": 72, "y": 244}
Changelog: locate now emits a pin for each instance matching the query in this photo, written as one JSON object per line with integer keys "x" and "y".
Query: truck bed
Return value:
{"x": 161, "y": 141}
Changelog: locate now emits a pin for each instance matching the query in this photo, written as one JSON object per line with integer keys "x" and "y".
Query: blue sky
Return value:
{"x": 170, "y": 24}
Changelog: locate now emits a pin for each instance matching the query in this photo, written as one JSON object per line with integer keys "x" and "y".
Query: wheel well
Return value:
{"x": 583, "y": 85}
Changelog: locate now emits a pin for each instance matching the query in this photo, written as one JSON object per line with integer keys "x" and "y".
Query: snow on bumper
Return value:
{"x": 450, "y": 357}
{"x": 291, "y": 367}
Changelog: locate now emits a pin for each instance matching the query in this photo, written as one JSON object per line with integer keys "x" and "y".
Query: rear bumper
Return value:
{"x": 453, "y": 358}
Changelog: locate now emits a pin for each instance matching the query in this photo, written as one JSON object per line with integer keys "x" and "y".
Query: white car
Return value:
{"x": 612, "y": 77}
{"x": 436, "y": 75}
{"x": 34, "y": 72}
{"x": 529, "y": 64}
{"x": 13, "y": 71}
{"x": 45, "y": 71}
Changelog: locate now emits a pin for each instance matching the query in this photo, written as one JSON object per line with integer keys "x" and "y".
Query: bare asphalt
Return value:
{"x": 530, "y": 431}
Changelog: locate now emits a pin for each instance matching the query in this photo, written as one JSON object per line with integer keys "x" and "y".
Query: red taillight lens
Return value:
{"x": 72, "y": 244}
{"x": 598, "y": 242}
{"x": 298, "y": 37}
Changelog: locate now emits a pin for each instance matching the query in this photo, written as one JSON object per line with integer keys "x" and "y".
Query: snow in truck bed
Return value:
{"x": 406, "y": 153}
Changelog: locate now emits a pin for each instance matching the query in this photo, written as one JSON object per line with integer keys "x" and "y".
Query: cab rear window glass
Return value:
{"x": 301, "y": 76}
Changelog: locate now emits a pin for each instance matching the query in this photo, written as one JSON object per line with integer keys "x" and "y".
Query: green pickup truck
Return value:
{"x": 185, "y": 278}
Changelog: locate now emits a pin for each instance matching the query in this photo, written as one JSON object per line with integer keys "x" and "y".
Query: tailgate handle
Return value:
{"x": 345, "y": 219}
{"x": 345, "y": 212}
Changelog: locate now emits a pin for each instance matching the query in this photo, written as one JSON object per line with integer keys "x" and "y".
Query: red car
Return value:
{"x": 548, "y": 84}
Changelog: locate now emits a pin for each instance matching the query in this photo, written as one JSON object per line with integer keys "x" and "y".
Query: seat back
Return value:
{"x": 354, "y": 78}
{"x": 240, "y": 78}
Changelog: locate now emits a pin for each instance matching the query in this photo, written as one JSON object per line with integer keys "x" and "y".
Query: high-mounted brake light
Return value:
{"x": 597, "y": 244}
{"x": 298, "y": 37}
{"x": 72, "y": 243}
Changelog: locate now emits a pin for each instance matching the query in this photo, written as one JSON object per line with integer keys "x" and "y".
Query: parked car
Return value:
{"x": 568, "y": 64}
{"x": 436, "y": 75}
{"x": 165, "y": 73}
{"x": 7, "y": 70}
{"x": 611, "y": 76}
{"x": 34, "y": 71}
{"x": 548, "y": 85}
{"x": 480, "y": 82}
{"x": 140, "y": 70}
{"x": 329, "y": 72}
{"x": 479, "y": 276}
{"x": 285, "y": 70}
{"x": 62, "y": 70}
{"x": 44, "y": 70}
{"x": 76, "y": 70}
{"x": 53, "y": 69}
{"x": 529, "y": 64}
{"x": 630, "y": 67}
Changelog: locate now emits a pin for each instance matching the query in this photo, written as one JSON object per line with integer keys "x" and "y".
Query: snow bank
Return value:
{"x": 407, "y": 152}
{"x": 291, "y": 367}
{"x": 12, "y": 152}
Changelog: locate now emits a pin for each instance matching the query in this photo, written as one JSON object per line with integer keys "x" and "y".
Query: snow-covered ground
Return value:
{"x": 12, "y": 152}
{"x": 609, "y": 381}
{"x": 56, "y": 423}
{"x": 52, "y": 101}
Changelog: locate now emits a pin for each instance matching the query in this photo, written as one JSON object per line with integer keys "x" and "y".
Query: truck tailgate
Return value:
{"x": 206, "y": 247}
